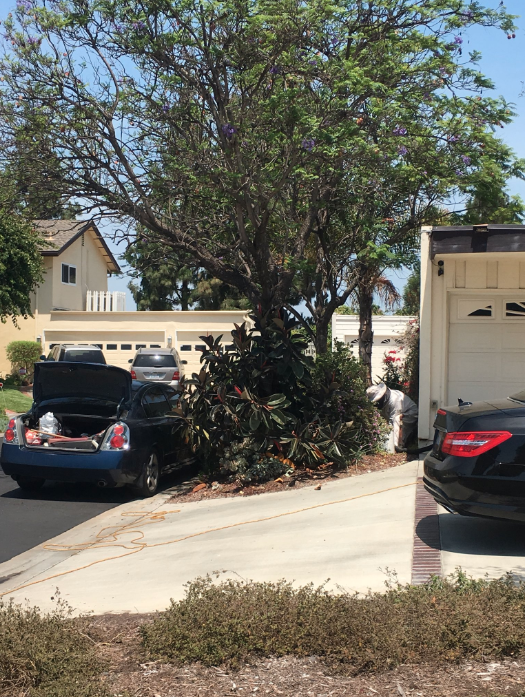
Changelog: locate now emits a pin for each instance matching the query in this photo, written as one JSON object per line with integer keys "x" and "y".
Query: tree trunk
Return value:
{"x": 366, "y": 335}
{"x": 321, "y": 335}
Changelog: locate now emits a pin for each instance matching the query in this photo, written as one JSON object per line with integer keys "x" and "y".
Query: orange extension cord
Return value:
{"x": 110, "y": 540}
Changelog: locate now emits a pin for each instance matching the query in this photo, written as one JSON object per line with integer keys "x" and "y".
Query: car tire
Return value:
{"x": 148, "y": 482}
{"x": 30, "y": 483}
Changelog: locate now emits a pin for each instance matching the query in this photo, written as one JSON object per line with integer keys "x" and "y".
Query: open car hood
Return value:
{"x": 63, "y": 380}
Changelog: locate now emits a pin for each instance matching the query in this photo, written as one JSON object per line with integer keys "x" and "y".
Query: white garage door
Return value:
{"x": 486, "y": 347}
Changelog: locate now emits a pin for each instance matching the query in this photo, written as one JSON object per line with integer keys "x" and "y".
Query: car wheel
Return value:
{"x": 148, "y": 482}
{"x": 30, "y": 483}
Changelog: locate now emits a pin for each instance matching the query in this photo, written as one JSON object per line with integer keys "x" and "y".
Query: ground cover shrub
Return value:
{"x": 46, "y": 655}
{"x": 443, "y": 620}
{"x": 261, "y": 406}
{"x": 24, "y": 354}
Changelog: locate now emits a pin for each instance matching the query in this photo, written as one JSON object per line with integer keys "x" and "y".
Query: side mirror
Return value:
{"x": 42, "y": 358}
{"x": 130, "y": 360}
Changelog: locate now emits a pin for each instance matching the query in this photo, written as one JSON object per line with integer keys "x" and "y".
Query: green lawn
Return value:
{"x": 11, "y": 398}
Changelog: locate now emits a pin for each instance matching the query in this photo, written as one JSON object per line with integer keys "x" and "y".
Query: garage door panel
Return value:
{"x": 513, "y": 336}
{"x": 486, "y": 359}
{"x": 473, "y": 366}
{"x": 512, "y": 367}
{"x": 473, "y": 337}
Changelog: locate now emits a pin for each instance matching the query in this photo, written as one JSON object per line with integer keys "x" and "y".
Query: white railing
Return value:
{"x": 310, "y": 350}
{"x": 105, "y": 301}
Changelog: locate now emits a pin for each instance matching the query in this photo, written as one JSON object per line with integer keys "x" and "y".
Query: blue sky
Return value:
{"x": 503, "y": 61}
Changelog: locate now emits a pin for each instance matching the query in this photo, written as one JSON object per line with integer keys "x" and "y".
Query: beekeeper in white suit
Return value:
{"x": 398, "y": 409}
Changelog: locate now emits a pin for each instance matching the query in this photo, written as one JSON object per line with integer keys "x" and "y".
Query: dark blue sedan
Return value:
{"x": 91, "y": 423}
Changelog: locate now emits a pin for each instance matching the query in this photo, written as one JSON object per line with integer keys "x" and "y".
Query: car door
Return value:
{"x": 156, "y": 408}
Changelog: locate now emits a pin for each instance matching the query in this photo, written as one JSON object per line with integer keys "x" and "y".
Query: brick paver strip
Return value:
{"x": 426, "y": 557}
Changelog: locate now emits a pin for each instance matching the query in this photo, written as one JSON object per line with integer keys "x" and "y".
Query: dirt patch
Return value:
{"x": 129, "y": 673}
{"x": 193, "y": 489}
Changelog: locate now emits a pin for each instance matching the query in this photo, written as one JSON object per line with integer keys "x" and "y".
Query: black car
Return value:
{"x": 91, "y": 423}
{"x": 477, "y": 463}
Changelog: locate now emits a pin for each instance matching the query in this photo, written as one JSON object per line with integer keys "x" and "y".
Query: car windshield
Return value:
{"x": 154, "y": 361}
{"x": 84, "y": 356}
{"x": 518, "y": 397}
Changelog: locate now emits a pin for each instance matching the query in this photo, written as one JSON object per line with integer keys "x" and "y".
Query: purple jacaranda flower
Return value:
{"x": 119, "y": 28}
{"x": 458, "y": 40}
{"x": 24, "y": 5}
{"x": 453, "y": 139}
{"x": 399, "y": 131}
{"x": 228, "y": 130}
{"x": 402, "y": 150}
{"x": 459, "y": 173}
{"x": 466, "y": 159}
{"x": 312, "y": 62}
{"x": 442, "y": 70}
{"x": 33, "y": 40}
{"x": 308, "y": 144}
{"x": 275, "y": 69}
{"x": 138, "y": 26}
{"x": 165, "y": 107}
{"x": 469, "y": 15}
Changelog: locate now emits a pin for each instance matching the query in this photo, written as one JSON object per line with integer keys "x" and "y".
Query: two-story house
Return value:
{"x": 73, "y": 304}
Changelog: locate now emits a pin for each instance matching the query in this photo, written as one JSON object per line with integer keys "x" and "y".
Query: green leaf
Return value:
{"x": 255, "y": 420}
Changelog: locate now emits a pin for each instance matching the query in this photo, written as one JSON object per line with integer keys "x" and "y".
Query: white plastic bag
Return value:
{"x": 48, "y": 423}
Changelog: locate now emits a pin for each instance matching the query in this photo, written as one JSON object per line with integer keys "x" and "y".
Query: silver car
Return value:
{"x": 158, "y": 365}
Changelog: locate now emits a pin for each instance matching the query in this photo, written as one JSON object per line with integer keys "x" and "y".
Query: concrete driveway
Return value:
{"x": 354, "y": 533}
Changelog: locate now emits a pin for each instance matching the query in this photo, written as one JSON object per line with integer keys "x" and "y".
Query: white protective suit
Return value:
{"x": 398, "y": 409}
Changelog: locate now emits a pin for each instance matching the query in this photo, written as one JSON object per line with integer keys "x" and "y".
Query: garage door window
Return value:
{"x": 485, "y": 311}
{"x": 515, "y": 309}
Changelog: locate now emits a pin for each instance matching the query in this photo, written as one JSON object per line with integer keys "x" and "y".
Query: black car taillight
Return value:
{"x": 472, "y": 443}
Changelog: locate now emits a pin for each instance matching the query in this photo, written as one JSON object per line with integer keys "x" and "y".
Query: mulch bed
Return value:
{"x": 131, "y": 674}
{"x": 193, "y": 489}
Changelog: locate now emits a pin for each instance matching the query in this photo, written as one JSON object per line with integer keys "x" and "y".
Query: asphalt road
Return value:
{"x": 29, "y": 519}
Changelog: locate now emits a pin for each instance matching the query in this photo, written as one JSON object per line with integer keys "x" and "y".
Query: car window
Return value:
{"x": 84, "y": 356}
{"x": 155, "y": 403}
{"x": 165, "y": 360}
{"x": 173, "y": 397}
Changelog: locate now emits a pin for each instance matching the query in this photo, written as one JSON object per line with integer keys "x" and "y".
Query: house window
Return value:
{"x": 111, "y": 347}
{"x": 155, "y": 346}
{"x": 69, "y": 274}
{"x": 515, "y": 309}
{"x": 481, "y": 312}
{"x": 185, "y": 347}
{"x": 126, "y": 347}
{"x": 139, "y": 346}
{"x": 200, "y": 347}
{"x": 385, "y": 341}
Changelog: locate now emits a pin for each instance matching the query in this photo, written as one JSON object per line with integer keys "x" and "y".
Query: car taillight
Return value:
{"x": 11, "y": 434}
{"x": 176, "y": 375}
{"x": 133, "y": 375}
{"x": 117, "y": 438}
{"x": 472, "y": 443}
{"x": 441, "y": 412}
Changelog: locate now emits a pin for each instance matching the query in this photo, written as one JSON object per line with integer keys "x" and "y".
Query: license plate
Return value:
{"x": 154, "y": 376}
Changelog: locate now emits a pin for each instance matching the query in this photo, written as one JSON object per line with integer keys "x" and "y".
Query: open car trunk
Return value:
{"x": 73, "y": 432}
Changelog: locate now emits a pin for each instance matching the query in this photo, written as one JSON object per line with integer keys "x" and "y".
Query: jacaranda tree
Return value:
{"x": 232, "y": 130}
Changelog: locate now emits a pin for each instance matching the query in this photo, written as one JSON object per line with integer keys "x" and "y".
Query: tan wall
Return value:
{"x": 8, "y": 333}
{"x": 91, "y": 273}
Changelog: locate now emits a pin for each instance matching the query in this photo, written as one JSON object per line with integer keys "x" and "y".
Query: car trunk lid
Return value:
{"x": 454, "y": 418}
{"x": 93, "y": 381}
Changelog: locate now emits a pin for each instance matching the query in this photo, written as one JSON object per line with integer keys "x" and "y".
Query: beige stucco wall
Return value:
{"x": 127, "y": 328}
{"x": 91, "y": 273}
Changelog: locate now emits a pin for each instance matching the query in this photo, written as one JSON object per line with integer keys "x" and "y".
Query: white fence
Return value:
{"x": 105, "y": 301}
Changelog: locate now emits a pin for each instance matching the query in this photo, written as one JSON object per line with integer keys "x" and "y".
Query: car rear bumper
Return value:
{"x": 459, "y": 490}
{"x": 108, "y": 468}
